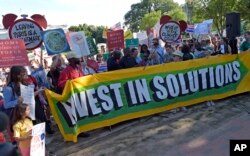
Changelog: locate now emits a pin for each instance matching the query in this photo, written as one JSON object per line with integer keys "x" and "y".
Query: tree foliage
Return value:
{"x": 243, "y": 6}
{"x": 177, "y": 14}
{"x": 217, "y": 10}
{"x": 95, "y": 32}
{"x": 149, "y": 20}
{"x": 134, "y": 17}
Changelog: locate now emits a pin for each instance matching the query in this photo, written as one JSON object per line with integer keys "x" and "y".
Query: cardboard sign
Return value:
{"x": 37, "y": 146}
{"x": 55, "y": 41}
{"x": 92, "y": 46}
{"x": 132, "y": 43}
{"x": 27, "y": 30}
{"x": 13, "y": 52}
{"x": 170, "y": 31}
{"x": 79, "y": 43}
{"x": 115, "y": 39}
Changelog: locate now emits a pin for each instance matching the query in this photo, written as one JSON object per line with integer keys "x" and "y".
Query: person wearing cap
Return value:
{"x": 72, "y": 71}
{"x": 178, "y": 56}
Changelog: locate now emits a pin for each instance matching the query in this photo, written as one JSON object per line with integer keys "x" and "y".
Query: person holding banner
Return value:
{"x": 113, "y": 61}
{"x": 72, "y": 71}
{"x": 168, "y": 56}
{"x": 199, "y": 52}
{"x": 134, "y": 52}
{"x": 55, "y": 70}
{"x": 187, "y": 55}
{"x": 145, "y": 61}
{"x": 127, "y": 61}
{"x": 246, "y": 44}
{"x": 158, "y": 50}
{"x": 224, "y": 47}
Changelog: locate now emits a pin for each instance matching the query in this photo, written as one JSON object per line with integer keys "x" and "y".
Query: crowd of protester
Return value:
{"x": 68, "y": 67}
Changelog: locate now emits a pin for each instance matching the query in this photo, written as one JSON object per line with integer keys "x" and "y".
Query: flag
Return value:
{"x": 104, "y": 33}
{"x": 128, "y": 34}
{"x": 190, "y": 29}
{"x": 117, "y": 26}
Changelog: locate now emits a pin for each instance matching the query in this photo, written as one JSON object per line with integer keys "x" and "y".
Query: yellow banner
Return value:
{"x": 105, "y": 99}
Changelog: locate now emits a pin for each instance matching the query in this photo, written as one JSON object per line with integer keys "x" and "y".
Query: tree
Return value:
{"x": 177, "y": 14}
{"x": 217, "y": 9}
{"x": 90, "y": 31}
{"x": 243, "y": 6}
{"x": 134, "y": 16}
{"x": 149, "y": 20}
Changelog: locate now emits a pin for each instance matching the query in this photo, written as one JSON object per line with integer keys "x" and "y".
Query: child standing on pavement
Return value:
{"x": 22, "y": 127}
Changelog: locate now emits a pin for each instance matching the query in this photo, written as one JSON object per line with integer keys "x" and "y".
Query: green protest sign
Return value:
{"x": 92, "y": 46}
{"x": 132, "y": 43}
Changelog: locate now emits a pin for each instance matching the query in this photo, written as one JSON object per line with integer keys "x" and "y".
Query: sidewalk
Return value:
{"x": 197, "y": 132}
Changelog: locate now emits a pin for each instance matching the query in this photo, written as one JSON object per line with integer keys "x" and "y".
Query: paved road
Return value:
{"x": 200, "y": 131}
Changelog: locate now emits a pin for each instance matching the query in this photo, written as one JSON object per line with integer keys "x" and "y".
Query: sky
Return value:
{"x": 72, "y": 12}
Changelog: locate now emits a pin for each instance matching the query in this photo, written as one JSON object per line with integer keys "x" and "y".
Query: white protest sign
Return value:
{"x": 37, "y": 145}
{"x": 170, "y": 31}
{"x": 141, "y": 35}
{"x": 27, "y": 30}
{"x": 204, "y": 27}
{"x": 157, "y": 28}
{"x": 79, "y": 43}
{"x": 27, "y": 92}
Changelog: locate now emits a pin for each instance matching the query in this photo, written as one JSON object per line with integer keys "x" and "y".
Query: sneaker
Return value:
{"x": 212, "y": 103}
{"x": 50, "y": 153}
{"x": 209, "y": 104}
{"x": 50, "y": 131}
{"x": 184, "y": 109}
{"x": 84, "y": 135}
{"x": 173, "y": 111}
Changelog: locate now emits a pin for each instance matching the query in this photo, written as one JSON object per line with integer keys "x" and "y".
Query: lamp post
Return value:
{"x": 189, "y": 10}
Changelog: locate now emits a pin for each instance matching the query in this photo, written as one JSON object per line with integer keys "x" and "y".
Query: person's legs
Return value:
{"x": 25, "y": 151}
{"x": 41, "y": 116}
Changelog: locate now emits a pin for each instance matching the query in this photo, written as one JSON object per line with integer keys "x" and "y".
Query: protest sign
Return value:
{"x": 143, "y": 38}
{"x": 170, "y": 31}
{"x": 13, "y": 52}
{"x": 79, "y": 43}
{"x": 132, "y": 43}
{"x": 55, "y": 41}
{"x": 27, "y": 92}
{"x": 115, "y": 39}
{"x": 104, "y": 99}
{"x": 27, "y": 30}
{"x": 37, "y": 145}
{"x": 128, "y": 34}
{"x": 92, "y": 46}
{"x": 203, "y": 28}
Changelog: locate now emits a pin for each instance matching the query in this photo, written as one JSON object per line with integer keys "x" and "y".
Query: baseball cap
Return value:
{"x": 71, "y": 55}
{"x": 178, "y": 53}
